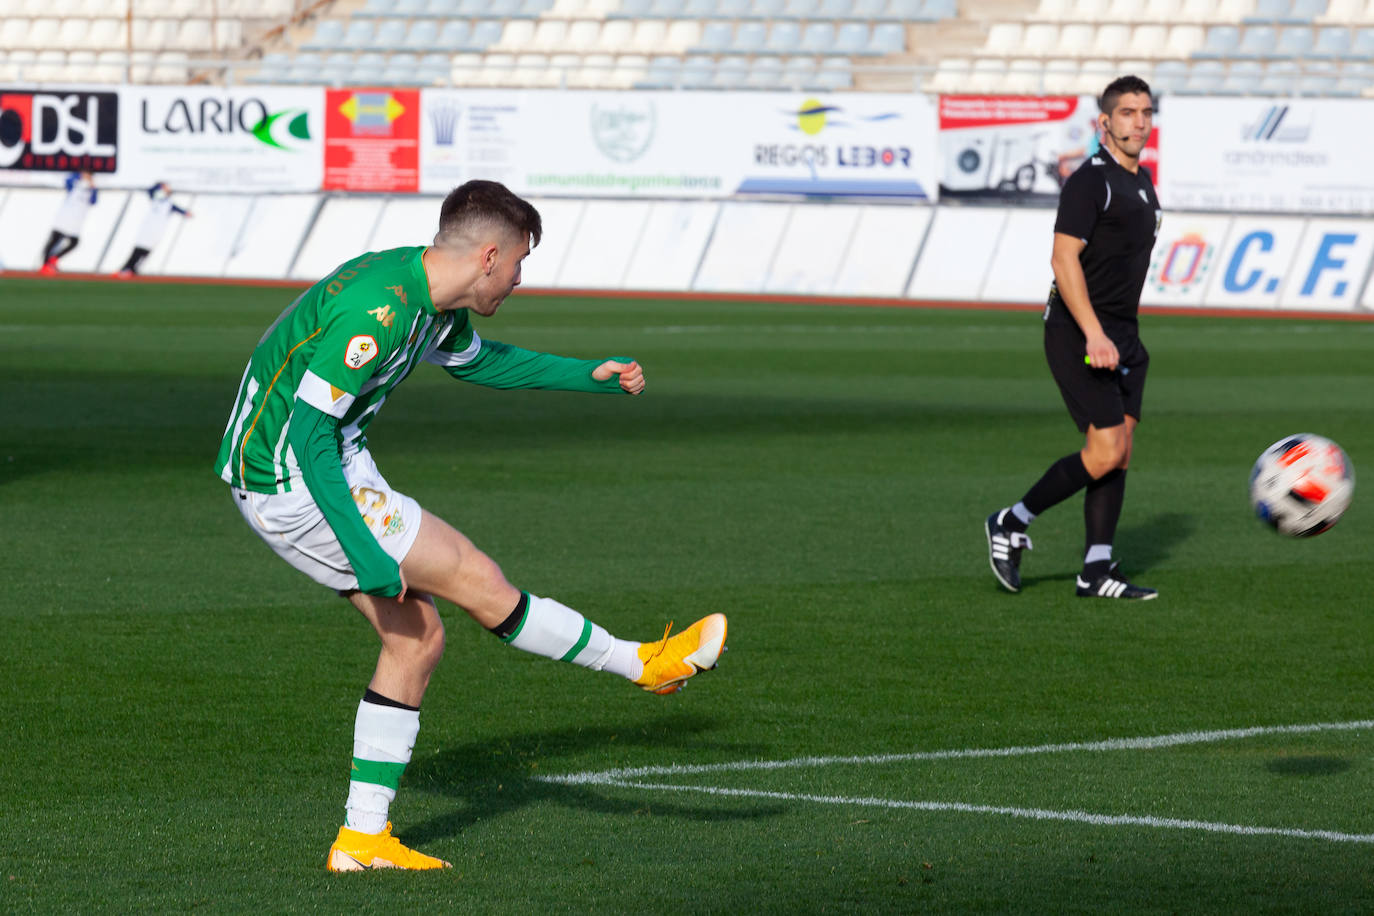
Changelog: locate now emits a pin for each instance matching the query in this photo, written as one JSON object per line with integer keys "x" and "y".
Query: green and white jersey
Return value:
{"x": 342, "y": 347}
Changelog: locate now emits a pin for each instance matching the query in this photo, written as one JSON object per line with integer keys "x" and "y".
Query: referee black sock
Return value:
{"x": 1063, "y": 479}
{"x": 1102, "y": 510}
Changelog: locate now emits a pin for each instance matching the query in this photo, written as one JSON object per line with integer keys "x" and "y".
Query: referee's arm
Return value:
{"x": 1073, "y": 290}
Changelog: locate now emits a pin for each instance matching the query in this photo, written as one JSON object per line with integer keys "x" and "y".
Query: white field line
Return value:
{"x": 1039, "y": 814}
{"x": 608, "y": 777}
{"x": 629, "y": 778}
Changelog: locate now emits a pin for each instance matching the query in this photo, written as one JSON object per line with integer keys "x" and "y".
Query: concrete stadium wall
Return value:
{"x": 896, "y": 251}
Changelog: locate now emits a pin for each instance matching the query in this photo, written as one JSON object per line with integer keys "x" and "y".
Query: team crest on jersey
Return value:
{"x": 361, "y": 351}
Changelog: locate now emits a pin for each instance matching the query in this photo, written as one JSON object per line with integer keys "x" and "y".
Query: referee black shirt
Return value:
{"x": 1117, "y": 214}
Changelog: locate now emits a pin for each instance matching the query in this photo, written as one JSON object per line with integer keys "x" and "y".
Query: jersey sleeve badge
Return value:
{"x": 361, "y": 350}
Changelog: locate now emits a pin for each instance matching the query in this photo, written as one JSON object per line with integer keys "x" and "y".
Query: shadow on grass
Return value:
{"x": 1308, "y": 765}
{"x": 492, "y": 779}
{"x": 1152, "y": 541}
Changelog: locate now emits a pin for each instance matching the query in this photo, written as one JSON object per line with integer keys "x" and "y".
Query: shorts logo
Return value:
{"x": 361, "y": 351}
{"x": 394, "y": 524}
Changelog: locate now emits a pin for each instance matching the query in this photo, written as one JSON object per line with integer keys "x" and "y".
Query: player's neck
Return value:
{"x": 449, "y": 288}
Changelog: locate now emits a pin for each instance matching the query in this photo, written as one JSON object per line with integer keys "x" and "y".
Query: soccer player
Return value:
{"x": 1105, "y": 229}
{"x": 160, "y": 213}
{"x": 295, "y": 455}
{"x": 71, "y": 216}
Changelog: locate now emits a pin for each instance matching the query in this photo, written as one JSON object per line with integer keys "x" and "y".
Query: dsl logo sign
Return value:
{"x": 59, "y": 131}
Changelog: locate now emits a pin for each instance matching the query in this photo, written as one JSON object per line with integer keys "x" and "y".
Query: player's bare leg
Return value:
{"x": 444, "y": 562}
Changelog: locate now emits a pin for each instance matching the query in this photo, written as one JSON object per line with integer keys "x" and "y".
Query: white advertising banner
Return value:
{"x": 1269, "y": 155}
{"x": 1185, "y": 258}
{"x": 679, "y": 144}
{"x": 208, "y": 138}
{"x": 1288, "y": 262}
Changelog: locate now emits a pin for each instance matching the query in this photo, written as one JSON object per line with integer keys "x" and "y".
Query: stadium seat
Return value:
{"x": 583, "y": 35}
{"x": 442, "y": 10}
{"x": 357, "y": 34}
{"x": 834, "y": 10}
{"x": 887, "y": 38}
{"x": 951, "y": 76}
{"x": 733, "y": 9}
{"x": 901, "y": 11}
{"x": 532, "y": 69}
{"x": 783, "y": 38}
{"x": 750, "y": 38}
{"x": 1003, "y": 38}
{"x": 1232, "y": 10}
{"x": 1059, "y": 77}
{"x": 390, "y": 35}
{"x": 497, "y": 69}
{"x": 1361, "y": 45}
{"x": 799, "y": 73}
{"x": 1205, "y": 76}
{"x": 697, "y": 72}
{"x": 1040, "y": 40}
{"x": 1126, "y": 11}
{"x": 549, "y": 35}
{"x": 647, "y": 36}
{"x": 1268, "y": 12}
{"x": 662, "y": 73}
{"x": 765, "y": 9}
{"x": 1094, "y": 74}
{"x": 1356, "y": 78}
{"x": 614, "y": 37}
{"x": 936, "y": 10}
{"x": 474, "y": 9}
{"x": 716, "y": 37}
{"x": 1052, "y": 11}
{"x": 730, "y": 74}
{"x": 764, "y": 73}
{"x": 107, "y": 34}
{"x": 1222, "y": 42}
{"x": 866, "y": 9}
{"x": 801, "y": 9}
{"x": 1148, "y": 40}
{"x": 1242, "y": 77}
{"x": 434, "y": 67}
{"x": 483, "y": 35}
{"x": 1317, "y": 84}
{"x": 518, "y": 35}
{"x": 851, "y": 38}
{"x": 629, "y": 9}
{"x": 681, "y": 35}
{"x": 533, "y": 9}
{"x": 1089, "y": 10}
{"x": 987, "y": 75}
{"x": 1163, "y": 12}
{"x": 1115, "y": 40}
{"x": 1294, "y": 42}
{"x": 1305, "y": 12}
{"x": 818, "y": 37}
{"x": 271, "y": 69}
{"x": 1347, "y": 12}
{"x": 1076, "y": 39}
{"x": 465, "y": 68}
{"x": 1184, "y": 41}
{"x": 43, "y": 33}
{"x": 1332, "y": 42}
{"x": 71, "y": 33}
{"x": 1024, "y": 77}
{"x": 423, "y": 34}
{"x": 1257, "y": 41}
{"x": 699, "y": 9}
{"x": 1168, "y": 76}
{"x": 1280, "y": 78}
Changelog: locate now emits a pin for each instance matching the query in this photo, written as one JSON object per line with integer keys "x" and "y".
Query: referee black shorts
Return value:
{"x": 1097, "y": 397}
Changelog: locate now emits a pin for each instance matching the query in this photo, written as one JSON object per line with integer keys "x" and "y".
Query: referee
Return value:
{"x": 1103, "y": 234}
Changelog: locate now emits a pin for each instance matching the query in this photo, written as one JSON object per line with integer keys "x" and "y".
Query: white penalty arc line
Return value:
{"x": 1039, "y": 814}
{"x": 607, "y": 777}
{"x": 629, "y": 778}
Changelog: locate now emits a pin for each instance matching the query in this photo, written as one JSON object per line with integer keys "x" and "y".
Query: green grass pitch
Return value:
{"x": 178, "y": 703}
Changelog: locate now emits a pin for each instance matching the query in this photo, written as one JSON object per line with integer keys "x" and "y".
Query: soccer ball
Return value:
{"x": 1301, "y": 485}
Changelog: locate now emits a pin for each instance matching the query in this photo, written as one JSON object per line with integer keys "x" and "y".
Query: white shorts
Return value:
{"x": 293, "y": 525}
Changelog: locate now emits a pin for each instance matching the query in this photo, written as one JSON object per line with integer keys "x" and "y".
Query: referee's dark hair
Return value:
{"x": 1119, "y": 87}
{"x": 477, "y": 202}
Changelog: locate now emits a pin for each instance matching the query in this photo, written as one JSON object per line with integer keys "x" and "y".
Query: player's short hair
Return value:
{"x": 1124, "y": 85}
{"x": 477, "y": 203}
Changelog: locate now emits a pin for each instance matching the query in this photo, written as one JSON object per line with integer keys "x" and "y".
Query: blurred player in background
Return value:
{"x": 160, "y": 213}
{"x": 1103, "y": 234}
{"x": 71, "y": 216}
{"x": 295, "y": 454}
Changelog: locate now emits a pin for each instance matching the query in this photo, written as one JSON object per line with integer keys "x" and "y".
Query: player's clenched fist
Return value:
{"x": 631, "y": 375}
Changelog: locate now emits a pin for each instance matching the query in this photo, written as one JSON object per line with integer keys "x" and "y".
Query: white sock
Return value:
{"x": 383, "y": 737}
{"x": 556, "y": 631}
{"x": 1021, "y": 512}
{"x": 1098, "y": 553}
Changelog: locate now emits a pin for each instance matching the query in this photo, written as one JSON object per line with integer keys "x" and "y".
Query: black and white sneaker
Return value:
{"x": 1112, "y": 585}
{"x": 1004, "y": 551}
